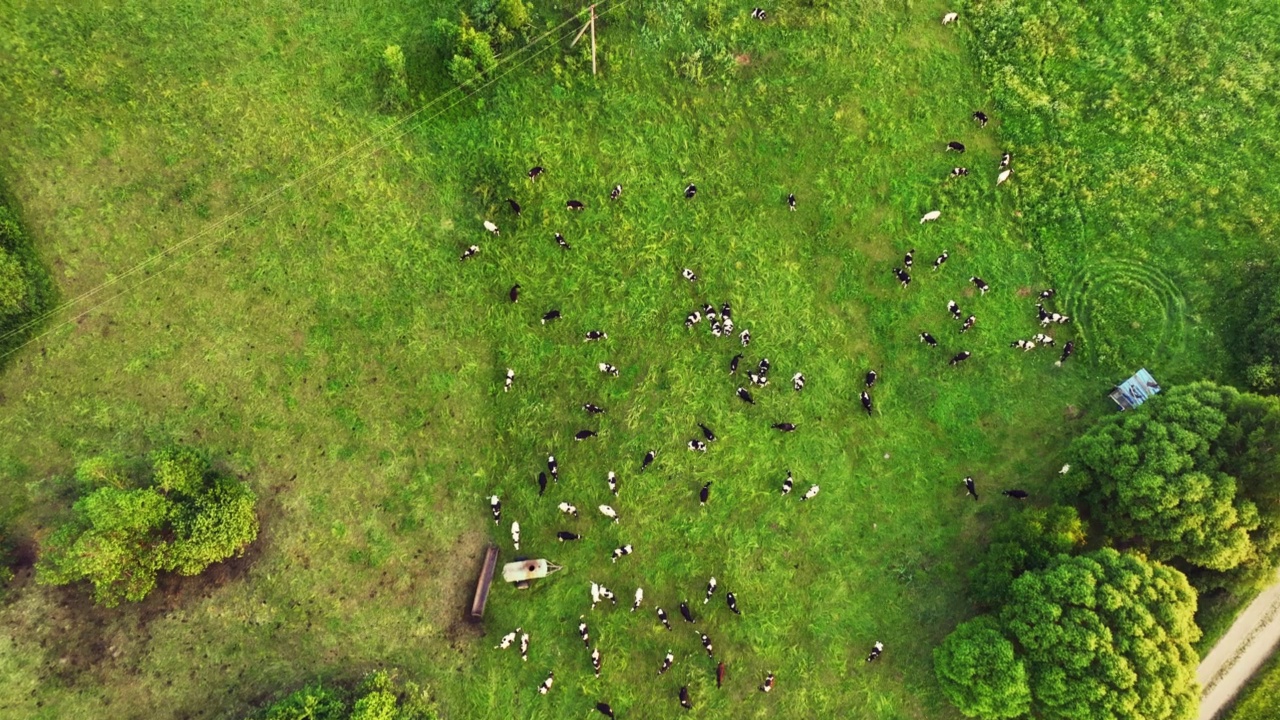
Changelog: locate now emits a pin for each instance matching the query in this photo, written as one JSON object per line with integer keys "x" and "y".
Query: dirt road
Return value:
{"x": 1245, "y": 647}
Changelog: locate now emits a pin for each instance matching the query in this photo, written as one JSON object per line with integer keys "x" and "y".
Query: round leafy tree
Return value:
{"x": 1026, "y": 541}
{"x": 980, "y": 672}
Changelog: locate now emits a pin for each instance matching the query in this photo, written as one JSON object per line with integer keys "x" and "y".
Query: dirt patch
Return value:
{"x": 743, "y": 59}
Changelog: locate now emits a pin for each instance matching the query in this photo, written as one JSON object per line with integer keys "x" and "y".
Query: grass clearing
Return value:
{"x": 336, "y": 353}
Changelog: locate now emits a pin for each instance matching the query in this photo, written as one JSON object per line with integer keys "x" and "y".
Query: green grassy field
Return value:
{"x": 334, "y": 351}
{"x": 1257, "y": 701}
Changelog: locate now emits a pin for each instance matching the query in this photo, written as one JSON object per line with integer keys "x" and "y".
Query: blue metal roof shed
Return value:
{"x": 1136, "y": 390}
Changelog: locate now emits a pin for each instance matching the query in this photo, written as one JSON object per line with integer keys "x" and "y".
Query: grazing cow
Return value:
{"x": 982, "y": 286}
{"x": 524, "y": 643}
{"x": 648, "y": 460}
{"x": 870, "y": 381}
{"x": 553, "y": 467}
{"x": 1043, "y": 339}
{"x": 961, "y": 357}
{"x": 535, "y": 171}
{"x": 688, "y": 274}
{"x": 690, "y": 191}
{"x": 684, "y": 611}
{"x": 1004, "y": 175}
{"x": 909, "y": 259}
{"x": 585, "y": 634}
{"x": 791, "y": 202}
{"x": 592, "y": 409}
{"x": 515, "y": 534}
{"x": 876, "y": 651}
{"x": 728, "y": 325}
{"x": 959, "y": 172}
{"x": 720, "y": 674}
{"x": 787, "y": 484}
{"x": 930, "y": 216}
{"x": 692, "y": 319}
{"x": 733, "y": 364}
{"x": 606, "y": 594}
{"x": 698, "y": 445}
{"x": 706, "y": 643}
{"x": 725, "y": 311}
{"x": 608, "y": 369}
{"x": 797, "y": 381}
{"x": 866, "y": 402}
{"x": 623, "y": 551}
{"x": 1047, "y": 293}
{"x": 811, "y": 493}
{"x": 584, "y": 435}
{"x": 1005, "y": 159}
{"x": 561, "y": 242}
{"x": 1016, "y": 494}
{"x": 568, "y": 509}
{"x": 763, "y": 365}
{"x": 604, "y": 709}
{"x": 595, "y": 335}
{"x": 666, "y": 662}
{"x": 954, "y": 309}
{"x": 968, "y": 323}
{"x": 511, "y": 376}
{"x": 545, "y": 687}
{"x": 1023, "y": 345}
{"x": 575, "y": 205}
{"x": 711, "y": 588}
{"x": 950, "y": 18}
{"x": 759, "y": 14}
{"x": 970, "y": 488}
{"x": 1047, "y": 318}
{"x": 595, "y": 595}
{"x": 745, "y": 396}
{"x": 954, "y": 146}
{"x": 784, "y": 427}
{"x": 595, "y": 660}
{"x": 564, "y": 535}
{"x": 758, "y": 379}
{"x": 542, "y": 483}
{"x": 768, "y": 683}
{"x": 515, "y": 206}
{"x": 612, "y": 479}
{"x": 927, "y": 339}
{"x": 470, "y": 252}
{"x": 745, "y": 337}
{"x": 609, "y": 512}
{"x": 1065, "y": 469}
{"x": 710, "y": 310}
{"x": 514, "y": 293}
{"x": 733, "y": 603}
{"x": 706, "y": 432}
{"x": 980, "y": 118}
{"x": 506, "y": 640}
{"x": 716, "y": 328}
{"x": 639, "y": 599}
{"x": 1066, "y": 353}
{"x": 662, "y": 615}
{"x": 495, "y": 505}
{"x": 684, "y": 689}
{"x": 941, "y": 259}
{"x": 550, "y": 315}
{"x": 491, "y": 227}
{"x": 903, "y": 276}
{"x": 1042, "y": 314}
{"x": 617, "y": 191}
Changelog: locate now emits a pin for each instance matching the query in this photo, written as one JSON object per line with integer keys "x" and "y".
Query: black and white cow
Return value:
{"x": 584, "y": 435}
{"x": 692, "y": 319}
{"x": 745, "y": 396}
{"x": 495, "y": 506}
{"x": 787, "y": 484}
{"x": 575, "y": 205}
{"x": 903, "y": 276}
{"x": 553, "y": 467}
{"x": 612, "y": 480}
{"x": 927, "y": 339}
{"x": 732, "y": 600}
{"x": 666, "y": 663}
{"x": 470, "y": 252}
{"x": 941, "y": 259}
{"x": 711, "y": 588}
{"x": 648, "y": 460}
{"x": 568, "y": 509}
{"x": 1016, "y": 494}
{"x": 980, "y": 118}
{"x": 616, "y": 193}
{"x": 608, "y": 369}
{"x": 797, "y": 381}
{"x": 982, "y": 286}
{"x": 954, "y": 146}
{"x": 511, "y": 376}
{"x": 909, "y": 259}
{"x": 811, "y": 493}
{"x": 566, "y": 536}
{"x": 623, "y": 551}
{"x": 876, "y": 651}
{"x": 698, "y": 445}
{"x": 706, "y": 643}
{"x": 690, "y": 191}
{"x": 514, "y": 293}
{"x": 791, "y": 202}
{"x": 550, "y": 315}
{"x": 785, "y": 427}
{"x": 706, "y": 432}
{"x": 545, "y": 687}
{"x": 562, "y": 243}
{"x": 968, "y": 323}
{"x": 959, "y": 171}
{"x": 593, "y": 335}
{"x": 689, "y": 275}
{"x": 662, "y": 615}
{"x": 592, "y": 409}
{"x": 961, "y": 357}
{"x": 970, "y": 488}
{"x": 705, "y": 493}
{"x": 535, "y": 172}
{"x": 866, "y": 402}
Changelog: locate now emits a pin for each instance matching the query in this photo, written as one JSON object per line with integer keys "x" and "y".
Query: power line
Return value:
{"x": 380, "y": 137}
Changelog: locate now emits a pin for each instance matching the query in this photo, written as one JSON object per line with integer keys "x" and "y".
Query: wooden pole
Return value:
{"x": 593, "y": 39}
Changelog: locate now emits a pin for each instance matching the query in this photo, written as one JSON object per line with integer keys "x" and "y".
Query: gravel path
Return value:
{"x": 1239, "y": 654}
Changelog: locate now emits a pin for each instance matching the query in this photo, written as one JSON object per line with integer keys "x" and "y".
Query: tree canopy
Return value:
{"x": 1026, "y": 541}
{"x": 123, "y": 533}
{"x": 1175, "y": 476}
{"x": 980, "y": 672}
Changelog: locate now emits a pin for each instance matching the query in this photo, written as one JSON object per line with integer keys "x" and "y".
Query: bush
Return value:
{"x": 1259, "y": 346}
{"x": 24, "y": 287}
{"x": 980, "y": 672}
{"x": 378, "y": 697}
{"x": 123, "y": 533}
{"x": 395, "y": 87}
{"x": 473, "y": 42}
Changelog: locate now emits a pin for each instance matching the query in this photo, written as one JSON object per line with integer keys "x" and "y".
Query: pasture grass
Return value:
{"x": 335, "y": 351}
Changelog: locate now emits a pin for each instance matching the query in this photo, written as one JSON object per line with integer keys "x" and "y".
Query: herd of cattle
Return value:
{"x": 720, "y": 322}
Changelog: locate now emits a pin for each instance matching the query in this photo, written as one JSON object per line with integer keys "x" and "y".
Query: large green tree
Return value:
{"x": 123, "y": 532}
{"x": 980, "y": 672}
{"x": 1174, "y": 476}
{"x": 1025, "y": 541}
{"x": 1102, "y": 636}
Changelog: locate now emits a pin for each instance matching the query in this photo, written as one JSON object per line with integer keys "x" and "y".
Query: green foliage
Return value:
{"x": 23, "y": 283}
{"x": 1260, "y": 699}
{"x": 313, "y": 702}
{"x": 1106, "y": 635}
{"x": 183, "y": 519}
{"x": 14, "y": 288}
{"x": 473, "y": 42}
{"x": 980, "y": 672}
{"x": 379, "y": 697}
{"x": 395, "y": 80}
{"x": 1259, "y": 345}
{"x": 1023, "y": 542}
{"x": 1160, "y": 476}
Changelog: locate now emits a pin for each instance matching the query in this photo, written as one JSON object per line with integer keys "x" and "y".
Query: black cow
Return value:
{"x": 690, "y": 191}
{"x": 704, "y": 494}
{"x": 960, "y": 357}
{"x": 733, "y": 603}
{"x": 980, "y": 118}
{"x": 866, "y": 402}
{"x": 941, "y": 259}
{"x": 1016, "y": 494}
{"x": 535, "y": 171}
{"x": 684, "y": 689}
{"x": 954, "y": 146}
{"x": 784, "y": 427}
{"x": 903, "y": 276}
{"x": 970, "y": 488}
{"x": 514, "y": 293}
{"x": 575, "y": 205}
{"x": 927, "y": 339}
{"x": 564, "y": 535}
{"x": 791, "y": 202}
{"x": 706, "y": 432}
{"x": 604, "y": 709}
{"x": 584, "y": 434}
{"x": 733, "y": 364}
{"x": 550, "y": 315}
{"x": 745, "y": 396}
{"x": 870, "y": 380}
{"x": 648, "y": 460}
{"x": 684, "y": 611}
{"x": 542, "y": 483}
{"x": 515, "y": 206}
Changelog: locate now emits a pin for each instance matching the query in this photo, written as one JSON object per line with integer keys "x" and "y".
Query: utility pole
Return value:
{"x": 591, "y": 25}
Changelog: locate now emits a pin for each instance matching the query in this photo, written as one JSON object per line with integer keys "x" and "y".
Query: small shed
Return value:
{"x": 1136, "y": 390}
